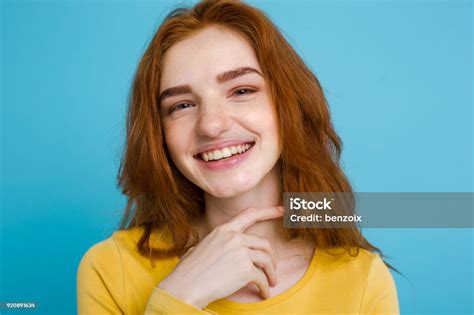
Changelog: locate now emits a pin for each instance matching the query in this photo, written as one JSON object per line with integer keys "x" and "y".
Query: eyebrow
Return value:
{"x": 232, "y": 74}
{"x": 177, "y": 90}
{"x": 221, "y": 78}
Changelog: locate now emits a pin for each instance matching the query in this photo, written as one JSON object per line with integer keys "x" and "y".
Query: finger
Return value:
{"x": 260, "y": 243}
{"x": 252, "y": 215}
{"x": 259, "y": 278}
{"x": 263, "y": 260}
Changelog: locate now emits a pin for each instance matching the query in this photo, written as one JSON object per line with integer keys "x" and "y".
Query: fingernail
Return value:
{"x": 281, "y": 208}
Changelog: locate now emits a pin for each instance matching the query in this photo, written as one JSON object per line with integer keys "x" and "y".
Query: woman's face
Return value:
{"x": 215, "y": 103}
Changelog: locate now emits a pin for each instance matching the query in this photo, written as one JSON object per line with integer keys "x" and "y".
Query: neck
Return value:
{"x": 265, "y": 194}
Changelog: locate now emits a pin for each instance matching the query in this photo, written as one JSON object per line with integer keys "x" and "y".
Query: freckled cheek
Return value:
{"x": 268, "y": 131}
{"x": 262, "y": 122}
{"x": 178, "y": 138}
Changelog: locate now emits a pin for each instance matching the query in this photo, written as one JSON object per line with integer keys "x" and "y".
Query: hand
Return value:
{"x": 225, "y": 261}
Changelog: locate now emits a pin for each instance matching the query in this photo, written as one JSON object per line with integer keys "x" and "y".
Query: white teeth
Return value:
{"x": 224, "y": 152}
{"x": 217, "y": 154}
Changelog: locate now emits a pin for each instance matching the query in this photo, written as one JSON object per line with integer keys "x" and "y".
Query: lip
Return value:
{"x": 225, "y": 163}
{"x": 220, "y": 145}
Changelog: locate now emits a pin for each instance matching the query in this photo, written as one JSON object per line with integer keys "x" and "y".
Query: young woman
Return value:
{"x": 224, "y": 117}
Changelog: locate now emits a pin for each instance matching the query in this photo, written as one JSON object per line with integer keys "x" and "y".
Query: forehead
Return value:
{"x": 205, "y": 54}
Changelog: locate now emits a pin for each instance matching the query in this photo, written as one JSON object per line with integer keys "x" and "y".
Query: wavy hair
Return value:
{"x": 161, "y": 198}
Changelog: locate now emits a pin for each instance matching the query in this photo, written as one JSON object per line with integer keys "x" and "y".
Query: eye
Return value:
{"x": 243, "y": 91}
{"x": 179, "y": 107}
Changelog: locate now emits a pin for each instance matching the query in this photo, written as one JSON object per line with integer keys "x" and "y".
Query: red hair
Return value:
{"x": 160, "y": 197}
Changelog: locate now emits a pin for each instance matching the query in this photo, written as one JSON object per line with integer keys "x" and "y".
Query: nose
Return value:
{"x": 212, "y": 120}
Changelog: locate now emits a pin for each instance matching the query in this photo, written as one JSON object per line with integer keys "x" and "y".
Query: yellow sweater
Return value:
{"x": 113, "y": 278}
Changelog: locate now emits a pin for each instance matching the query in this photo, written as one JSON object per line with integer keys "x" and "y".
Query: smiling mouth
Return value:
{"x": 225, "y": 153}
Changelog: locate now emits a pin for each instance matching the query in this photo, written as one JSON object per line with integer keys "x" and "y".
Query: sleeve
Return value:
{"x": 163, "y": 302}
{"x": 380, "y": 294}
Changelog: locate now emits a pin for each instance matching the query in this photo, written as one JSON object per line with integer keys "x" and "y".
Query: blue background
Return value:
{"x": 397, "y": 75}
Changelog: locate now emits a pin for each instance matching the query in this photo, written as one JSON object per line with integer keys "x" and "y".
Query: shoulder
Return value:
{"x": 102, "y": 257}
{"x": 110, "y": 253}
{"x": 114, "y": 278}
{"x": 366, "y": 268}
{"x": 378, "y": 277}
{"x": 106, "y": 250}
{"x": 365, "y": 273}
{"x": 338, "y": 258}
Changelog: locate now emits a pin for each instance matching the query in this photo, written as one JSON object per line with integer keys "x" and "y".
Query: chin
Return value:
{"x": 228, "y": 190}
